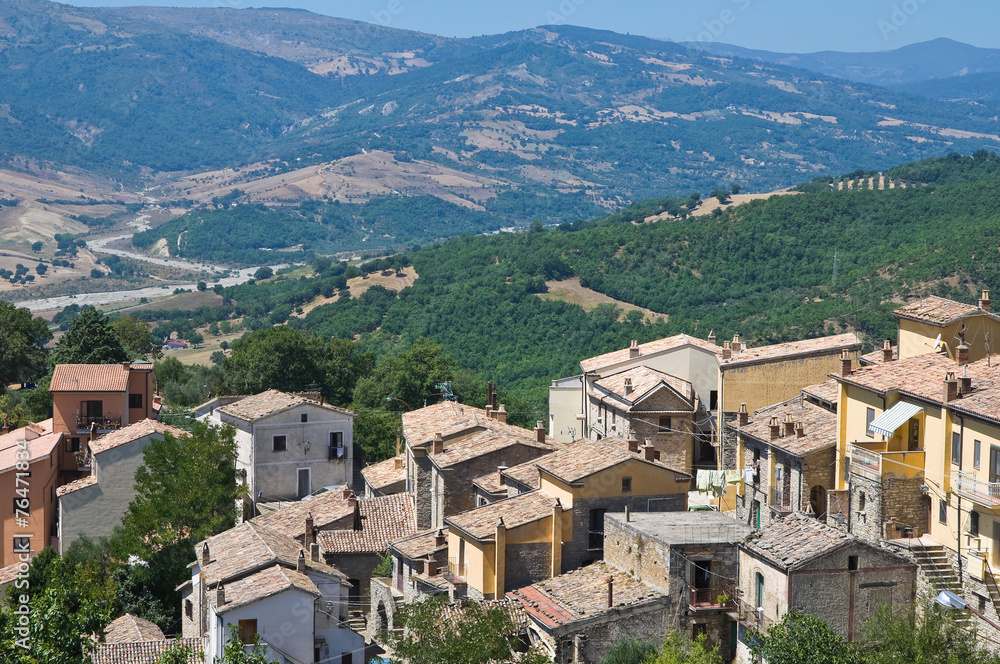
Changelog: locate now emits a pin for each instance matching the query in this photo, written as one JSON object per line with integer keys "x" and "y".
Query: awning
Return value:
{"x": 887, "y": 423}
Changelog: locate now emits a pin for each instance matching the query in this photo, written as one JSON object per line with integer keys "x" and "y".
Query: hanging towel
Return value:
{"x": 733, "y": 477}
{"x": 718, "y": 482}
{"x": 748, "y": 475}
{"x": 703, "y": 480}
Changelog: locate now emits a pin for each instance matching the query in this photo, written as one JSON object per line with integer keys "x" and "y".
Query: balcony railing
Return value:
{"x": 973, "y": 488}
{"x": 461, "y": 571}
{"x": 84, "y": 422}
{"x": 780, "y": 500}
{"x": 748, "y": 615}
{"x": 866, "y": 463}
{"x": 710, "y": 598}
{"x": 596, "y": 540}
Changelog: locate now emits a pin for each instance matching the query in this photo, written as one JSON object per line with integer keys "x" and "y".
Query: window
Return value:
{"x": 977, "y": 450}
{"x": 188, "y": 609}
{"x": 73, "y": 444}
{"x": 596, "y": 529}
{"x": 665, "y": 423}
{"x": 279, "y": 443}
{"x": 304, "y": 481}
{"x": 22, "y": 545}
{"x": 862, "y": 500}
{"x": 626, "y": 485}
{"x": 90, "y": 411}
{"x": 956, "y": 448}
{"x": 336, "y": 445}
{"x": 135, "y": 401}
{"x": 248, "y": 630}
{"x": 480, "y": 501}
{"x": 759, "y": 587}
{"x": 869, "y": 417}
{"x": 852, "y": 563}
{"x": 304, "y": 417}
{"x": 755, "y": 514}
{"x": 713, "y": 400}
{"x": 698, "y": 629}
{"x": 994, "y": 463}
{"x": 974, "y": 523}
{"x": 943, "y": 511}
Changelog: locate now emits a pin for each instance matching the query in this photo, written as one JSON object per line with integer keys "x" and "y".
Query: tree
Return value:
{"x": 281, "y": 358}
{"x": 37, "y": 246}
{"x": 263, "y": 273}
{"x": 202, "y": 286}
{"x": 195, "y": 337}
{"x": 41, "y": 268}
{"x": 95, "y": 273}
{"x": 176, "y": 654}
{"x": 926, "y": 636}
{"x": 137, "y": 338}
{"x": 217, "y": 357}
{"x": 22, "y": 345}
{"x": 677, "y": 649}
{"x": 411, "y": 376}
{"x": 628, "y": 650}
{"x": 90, "y": 339}
{"x": 802, "y": 639}
{"x": 735, "y": 188}
{"x": 235, "y": 651}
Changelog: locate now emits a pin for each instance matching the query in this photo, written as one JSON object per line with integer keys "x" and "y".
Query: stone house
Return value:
{"x": 274, "y": 592}
{"x": 690, "y": 557}
{"x": 288, "y": 445}
{"x": 385, "y": 477}
{"x": 95, "y": 504}
{"x": 133, "y": 640}
{"x": 800, "y": 564}
{"x": 647, "y": 404}
{"x": 790, "y": 450}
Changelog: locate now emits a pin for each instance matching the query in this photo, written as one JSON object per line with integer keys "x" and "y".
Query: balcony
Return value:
{"x": 977, "y": 490}
{"x": 84, "y": 423}
{"x": 459, "y": 571}
{"x": 746, "y": 614}
{"x": 595, "y": 541}
{"x": 780, "y": 500}
{"x": 871, "y": 460}
{"x": 700, "y": 599}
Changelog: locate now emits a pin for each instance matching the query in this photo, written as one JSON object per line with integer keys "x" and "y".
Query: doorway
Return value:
{"x": 304, "y": 482}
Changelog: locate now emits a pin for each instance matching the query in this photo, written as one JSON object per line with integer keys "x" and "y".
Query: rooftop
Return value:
{"x": 828, "y": 391}
{"x": 76, "y": 485}
{"x": 265, "y": 404}
{"x": 582, "y": 594}
{"x": 132, "y": 432}
{"x": 450, "y": 419}
{"x": 145, "y": 652}
{"x": 877, "y": 356}
{"x": 678, "y": 528}
{"x": 937, "y": 310}
{"x": 129, "y": 629}
{"x": 421, "y": 545}
{"x": 384, "y": 519}
{"x": 819, "y": 427}
{"x": 583, "y": 458}
{"x": 384, "y": 473}
{"x": 490, "y": 483}
{"x": 477, "y": 443}
{"x": 89, "y": 378}
{"x": 39, "y": 448}
{"x": 783, "y": 351}
{"x": 644, "y": 380}
{"x": 261, "y": 585}
{"x": 795, "y": 539}
{"x": 481, "y": 522}
{"x": 651, "y": 348}
{"x": 326, "y": 508}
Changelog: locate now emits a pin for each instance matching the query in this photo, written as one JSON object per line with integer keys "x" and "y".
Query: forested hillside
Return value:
{"x": 821, "y": 261}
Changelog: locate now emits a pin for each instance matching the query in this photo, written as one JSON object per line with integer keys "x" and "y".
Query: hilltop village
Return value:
{"x": 680, "y": 485}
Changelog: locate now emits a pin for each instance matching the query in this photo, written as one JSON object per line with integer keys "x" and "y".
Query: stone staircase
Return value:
{"x": 940, "y": 574}
{"x": 357, "y": 621}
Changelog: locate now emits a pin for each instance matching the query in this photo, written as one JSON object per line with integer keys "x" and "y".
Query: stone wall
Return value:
{"x": 730, "y": 443}
{"x": 526, "y": 564}
{"x": 903, "y": 502}
{"x": 591, "y": 639}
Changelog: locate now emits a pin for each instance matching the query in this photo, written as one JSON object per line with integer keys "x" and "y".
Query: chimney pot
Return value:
{"x": 962, "y": 355}
{"x": 965, "y": 385}
{"x": 489, "y": 412}
{"x": 742, "y": 415}
{"x": 727, "y": 350}
{"x": 711, "y": 337}
{"x": 648, "y": 451}
{"x": 220, "y": 595}
{"x": 845, "y": 363}
{"x": 633, "y": 349}
{"x": 628, "y": 386}
{"x": 540, "y": 431}
{"x": 633, "y": 444}
{"x": 775, "y": 427}
{"x": 439, "y": 538}
{"x": 789, "y": 424}
{"x": 398, "y": 463}
{"x": 501, "y": 414}
{"x": 950, "y": 387}
{"x": 611, "y": 591}
{"x": 503, "y": 480}
{"x": 737, "y": 345}
{"x": 799, "y": 430}
{"x": 205, "y": 557}
{"x": 887, "y": 351}
{"x": 438, "y": 444}
{"x": 307, "y": 538}
{"x": 984, "y": 301}
{"x": 300, "y": 564}
{"x": 314, "y": 552}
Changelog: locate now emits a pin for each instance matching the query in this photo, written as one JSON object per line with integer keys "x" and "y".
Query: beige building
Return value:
{"x": 935, "y": 323}
{"x": 95, "y": 504}
{"x": 30, "y": 525}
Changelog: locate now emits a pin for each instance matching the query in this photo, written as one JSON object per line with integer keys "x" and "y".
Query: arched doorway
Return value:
{"x": 817, "y": 501}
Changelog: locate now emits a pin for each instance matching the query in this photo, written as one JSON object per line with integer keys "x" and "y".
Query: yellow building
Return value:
{"x": 559, "y": 525}
{"x": 934, "y": 323}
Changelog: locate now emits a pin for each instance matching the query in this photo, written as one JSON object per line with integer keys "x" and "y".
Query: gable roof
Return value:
{"x": 796, "y": 539}
{"x": 271, "y": 402}
{"x": 89, "y": 378}
{"x": 420, "y": 545}
{"x": 783, "y": 351}
{"x": 133, "y": 432}
{"x": 384, "y": 473}
{"x": 129, "y": 628}
{"x": 481, "y": 522}
{"x": 76, "y": 485}
{"x": 450, "y": 418}
{"x": 827, "y": 391}
{"x": 476, "y": 443}
{"x": 819, "y": 427}
{"x": 644, "y": 381}
{"x": 582, "y": 594}
{"x": 261, "y": 585}
{"x": 145, "y": 652}
{"x": 938, "y": 311}
{"x": 39, "y": 448}
{"x": 650, "y": 348}
{"x": 384, "y": 519}
{"x": 583, "y": 458}
{"x": 326, "y": 508}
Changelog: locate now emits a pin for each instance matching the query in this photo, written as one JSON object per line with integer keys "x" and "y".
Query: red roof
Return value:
{"x": 89, "y": 378}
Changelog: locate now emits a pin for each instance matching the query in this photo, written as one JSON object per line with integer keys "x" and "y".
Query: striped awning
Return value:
{"x": 887, "y": 423}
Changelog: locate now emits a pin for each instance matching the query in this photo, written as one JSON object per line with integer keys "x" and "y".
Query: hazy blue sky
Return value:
{"x": 779, "y": 25}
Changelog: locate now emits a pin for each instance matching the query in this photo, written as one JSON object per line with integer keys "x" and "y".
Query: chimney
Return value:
{"x": 628, "y": 514}
{"x": 220, "y": 595}
{"x": 502, "y": 414}
{"x": 500, "y": 469}
{"x": 965, "y": 383}
{"x": 555, "y": 554}
{"x": 500, "y": 561}
{"x": 489, "y": 396}
{"x": 126, "y": 365}
{"x": 347, "y": 492}
{"x": 633, "y": 349}
{"x": 398, "y": 463}
{"x": 743, "y": 417}
{"x": 5, "y": 429}
{"x": 789, "y": 425}
{"x": 887, "y": 351}
{"x": 984, "y": 301}
{"x": 711, "y": 337}
{"x": 307, "y": 540}
{"x": 628, "y": 387}
{"x": 799, "y": 430}
{"x": 611, "y": 591}
{"x": 845, "y": 363}
{"x": 950, "y": 387}
{"x": 438, "y": 444}
{"x": 357, "y": 513}
{"x": 962, "y": 355}
{"x": 648, "y": 451}
{"x": 775, "y": 427}
{"x": 737, "y": 345}
{"x": 540, "y": 431}
{"x": 440, "y": 539}
{"x": 656, "y": 455}
{"x": 489, "y": 412}
{"x": 314, "y": 552}
{"x": 633, "y": 443}
{"x": 300, "y": 564}
{"x": 727, "y": 350}
{"x": 205, "y": 557}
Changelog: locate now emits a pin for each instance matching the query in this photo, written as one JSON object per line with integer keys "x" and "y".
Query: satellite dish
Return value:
{"x": 937, "y": 343}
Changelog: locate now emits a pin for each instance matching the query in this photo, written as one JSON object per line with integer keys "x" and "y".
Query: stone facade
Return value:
{"x": 526, "y": 563}
{"x": 883, "y": 509}
{"x": 586, "y": 642}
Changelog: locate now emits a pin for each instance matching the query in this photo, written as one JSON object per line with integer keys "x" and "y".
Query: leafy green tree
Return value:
{"x": 263, "y": 273}
{"x": 195, "y": 337}
{"x": 41, "y": 268}
{"x": 22, "y": 341}
{"x": 803, "y": 639}
{"x": 202, "y": 286}
{"x": 37, "y": 246}
{"x": 90, "y": 339}
{"x": 176, "y": 654}
{"x": 217, "y": 357}
{"x": 137, "y": 338}
{"x": 410, "y": 377}
{"x": 735, "y": 188}
{"x": 929, "y": 635}
{"x": 677, "y": 649}
{"x": 630, "y": 650}
{"x": 281, "y": 358}
{"x": 235, "y": 651}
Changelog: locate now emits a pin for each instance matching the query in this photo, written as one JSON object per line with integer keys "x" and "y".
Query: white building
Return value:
{"x": 289, "y": 445}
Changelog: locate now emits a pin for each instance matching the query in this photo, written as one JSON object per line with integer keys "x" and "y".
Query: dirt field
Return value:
{"x": 359, "y": 285}
{"x": 572, "y": 292}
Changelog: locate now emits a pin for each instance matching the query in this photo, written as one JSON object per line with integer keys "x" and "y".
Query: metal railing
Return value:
{"x": 596, "y": 540}
{"x": 84, "y": 422}
{"x": 780, "y": 499}
{"x": 461, "y": 571}
{"x": 713, "y": 597}
{"x": 865, "y": 462}
{"x": 985, "y": 493}
{"x": 748, "y": 615}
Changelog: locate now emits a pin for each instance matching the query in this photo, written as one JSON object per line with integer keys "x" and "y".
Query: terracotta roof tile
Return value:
{"x": 584, "y": 458}
{"x": 828, "y": 391}
{"x": 525, "y": 473}
{"x": 474, "y": 444}
{"x": 384, "y": 473}
{"x": 133, "y": 432}
{"x": 421, "y": 545}
{"x": 651, "y": 348}
{"x": 481, "y": 522}
{"x": 644, "y": 380}
{"x": 490, "y": 483}
{"x": 383, "y": 520}
{"x": 261, "y": 585}
{"x": 783, "y": 351}
{"x": 327, "y": 509}
{"x": 877, "y": 356}
{"x": 268, "y": 403}
{"x": 937, "y": 310}
{"x": 819, "y": 427}
{"x": 511, "y": 606}
{"x": 39, "y": 448}
{"x": 145, "y": 652}
{"x": 582, "y": 594}
{"x": 8, "y": 574}
{"x": 76, "y": 485}
{"x": 130, "y": 628}
{"x": 795, "y": 539}
{"x": 450, "y": 418}
{"x": 89, "y": 378}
